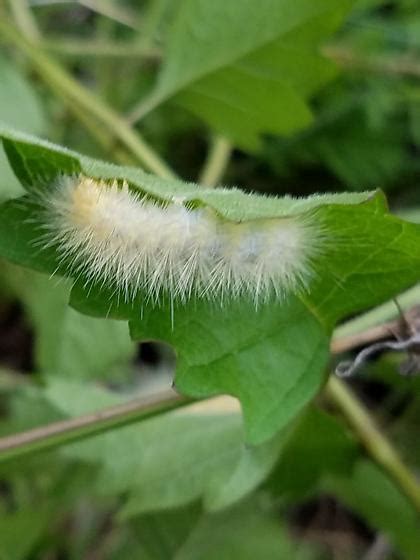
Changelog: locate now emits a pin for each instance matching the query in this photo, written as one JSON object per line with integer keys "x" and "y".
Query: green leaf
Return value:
{"x": 414, "y": 113}
{"x": 68, "y": 343}
{"x": 248, "y": 530}
{"x": 234, "y": 355}
{"x": 38, "y": 164}
{"x": 20, "y": 532}
{"x": 318, "y": 445}
{"x": 374, "y": 256}
{"x": 369, "y": 492}
{"x": 159, "y": 535}
{"x": 272, "y": 358}
{"x": 170, "y": 460}
{"x": 32, "y": 166}
{"x": 344, "y": 151}
{"x": 247, "y": 71}
{"x": 20, "y": 108}
{"x": 244, "y": 532}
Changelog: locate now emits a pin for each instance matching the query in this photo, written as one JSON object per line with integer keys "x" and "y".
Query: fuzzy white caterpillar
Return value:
{"x": 115, "y": 236}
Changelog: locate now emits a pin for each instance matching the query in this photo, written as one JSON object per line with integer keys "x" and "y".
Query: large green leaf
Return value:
{"x": 317, "y": 446}
{"x": 245, "y": 531}
{"x": 20, "y": 531}
{"x": 170, "y": 460}
{"x": 19, "y": 107}
{"x": 247, "y": 71}
{"x": 272, "y": 358}
{"x": 369, "y": 492}
{"x": 230, "y": 352}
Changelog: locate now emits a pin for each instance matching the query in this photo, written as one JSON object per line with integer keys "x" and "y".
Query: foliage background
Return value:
{"x": 184, "y": 485}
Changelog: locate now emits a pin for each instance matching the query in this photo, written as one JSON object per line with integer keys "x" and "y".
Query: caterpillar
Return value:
{"x": 111, "y": 234}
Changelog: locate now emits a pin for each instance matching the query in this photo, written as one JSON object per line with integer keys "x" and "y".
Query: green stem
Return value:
{"x": 108, "y": 9}
{"x": 216, "y": 162}
{"x": 25, "y": 19}
{"x": 401, "y": 65}
{"x": 74, "y": 429}
{"x": 83, "y": 48}
{"x": 143, "y": 108}
{"x": 101, "y": 137}
{"x": 74, "y": 93}
{"x": 375, "y": 443}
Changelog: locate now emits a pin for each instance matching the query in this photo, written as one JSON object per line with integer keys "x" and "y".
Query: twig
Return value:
{"x": 374, "y": 334}
{"x": 357, "y": 416}
{"x": 142, "y": 108}
{"x": 105, "y": 8}
{"x": 216, "y": 162}
{"x": 25, "y": 19}
{"x": 349, "y": 368}
{"x": 99, "y": 133}
{"x": 375, "y": 443}
{"x": 68, "y": 431}
{"x": 73, "y": 93}
{"x": 345, "y": 335}
{"x": 402, "y": 65}
{"x": 89, "y": 48}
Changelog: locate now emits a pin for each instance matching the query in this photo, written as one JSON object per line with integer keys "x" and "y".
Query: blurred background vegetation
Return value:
{"x": 323, "y": 499}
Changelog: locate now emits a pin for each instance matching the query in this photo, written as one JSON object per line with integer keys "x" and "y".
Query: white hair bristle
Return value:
{"x": 113, "y": 235}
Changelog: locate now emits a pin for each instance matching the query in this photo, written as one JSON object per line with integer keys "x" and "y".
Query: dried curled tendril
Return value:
{"x": 409, "y": 327}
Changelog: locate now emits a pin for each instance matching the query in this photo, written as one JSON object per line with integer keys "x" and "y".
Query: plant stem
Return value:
{"x": 375, "y": 443}
{"x": 73, "y": 93}
{"x": 402, "y": 65}
{"x": 99, "y": 133}
{"x": 142, "y": 108}
{"x": 74, "y": 429}
{"x": 83, "y": 48}
{"x": 363, "y": 338}
{"x": 108, "y": 9}
{"x": 25, "y": 19}
{"x": 216, "y": 162}
{"x": 379, "y": 315}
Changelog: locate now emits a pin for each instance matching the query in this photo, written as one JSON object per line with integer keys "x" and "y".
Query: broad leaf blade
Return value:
{"x": 170, "y": 460}
{"x": 20, "y": 107}
{"x": 273, "y": 360}
{"x": 272, "y": 357}
{"x": 250, "y": 71}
